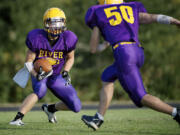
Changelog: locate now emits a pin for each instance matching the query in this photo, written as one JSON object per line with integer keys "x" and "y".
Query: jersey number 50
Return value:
{"x": 126, "y": 11}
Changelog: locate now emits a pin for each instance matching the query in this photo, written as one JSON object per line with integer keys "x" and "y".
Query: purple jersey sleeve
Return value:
{"x": 29, "y": 42}
{"x": 90, "y": 18}
{"x": 70, "y": 40}
{"x": 141, "y": 7}
{"x": 32, "y": 39}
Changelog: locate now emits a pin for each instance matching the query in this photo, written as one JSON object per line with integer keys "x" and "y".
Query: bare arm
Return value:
{"x": 69, "y": 61}
{"x": 30, "y": 56}
{"x": 175, "y": 22}
{"x": 94, "y": 41}
{"x": 146, "y": 18}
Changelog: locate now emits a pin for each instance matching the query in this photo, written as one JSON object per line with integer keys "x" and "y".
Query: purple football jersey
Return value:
{"x": 37, "y": 41}
{"x": 117, "y": 22}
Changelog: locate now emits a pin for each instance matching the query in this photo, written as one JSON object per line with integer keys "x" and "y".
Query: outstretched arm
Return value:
{"x": 146, "y": 18}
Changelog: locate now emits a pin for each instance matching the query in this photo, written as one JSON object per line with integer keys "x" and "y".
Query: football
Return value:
{"x": 44, "y": 63}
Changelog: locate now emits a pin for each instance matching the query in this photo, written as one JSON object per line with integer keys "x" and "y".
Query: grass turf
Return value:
{"x": 117, "y": 122}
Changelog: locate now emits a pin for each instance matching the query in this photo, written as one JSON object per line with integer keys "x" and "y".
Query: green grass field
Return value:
{"x": 117, "y": 122}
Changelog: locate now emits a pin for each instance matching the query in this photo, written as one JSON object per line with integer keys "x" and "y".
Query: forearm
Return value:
{"x": 69, "y": 61}
{"x": 68, "y": 65}
{"x": 146, "y": 18}
{"x": 94, "y": 41}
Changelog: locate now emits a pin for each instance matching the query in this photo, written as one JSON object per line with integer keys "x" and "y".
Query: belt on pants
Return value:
{"x": 125, "y": 43}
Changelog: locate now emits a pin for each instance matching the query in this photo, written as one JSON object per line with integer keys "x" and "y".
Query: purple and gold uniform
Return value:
{"x": 37, "y": 41}
{"x": 119, "y": 24}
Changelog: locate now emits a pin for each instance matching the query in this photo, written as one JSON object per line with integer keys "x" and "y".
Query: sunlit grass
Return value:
{"x": 117, "y": 122}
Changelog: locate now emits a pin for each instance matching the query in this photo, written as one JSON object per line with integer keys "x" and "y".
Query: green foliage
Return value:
{"x": 160, "y": 72}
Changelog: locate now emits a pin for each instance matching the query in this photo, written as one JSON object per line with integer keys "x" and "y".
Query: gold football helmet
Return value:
{"x": 54, "y": 21}
{"x": 102, "y": 2}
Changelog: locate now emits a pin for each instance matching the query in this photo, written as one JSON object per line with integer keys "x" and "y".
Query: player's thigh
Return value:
{"x": 109, "y": 74}
{"x": 66, "y": 93}
{"x": 39, "y": 87}
{"x": 132, "y": 83}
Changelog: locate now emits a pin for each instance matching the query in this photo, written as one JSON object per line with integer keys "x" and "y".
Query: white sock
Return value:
{"x": 174, "y": 112}
{"x": 100, "y": 116}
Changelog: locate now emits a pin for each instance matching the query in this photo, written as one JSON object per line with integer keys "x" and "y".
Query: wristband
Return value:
{"x": 164, "y": 19}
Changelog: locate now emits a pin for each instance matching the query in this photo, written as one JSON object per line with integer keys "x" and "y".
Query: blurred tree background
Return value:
{"x": 160, "y": 72}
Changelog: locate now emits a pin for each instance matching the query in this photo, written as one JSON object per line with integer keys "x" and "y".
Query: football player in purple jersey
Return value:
{"x": 57, "y": 45}
{"x": 118, "y": 23}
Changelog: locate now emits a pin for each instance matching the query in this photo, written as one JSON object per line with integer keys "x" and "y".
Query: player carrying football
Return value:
{"x": 118, "y": 23}
{"x": 56, "y": 44}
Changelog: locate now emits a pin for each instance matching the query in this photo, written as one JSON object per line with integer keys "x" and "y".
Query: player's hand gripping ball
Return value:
{"x": 43, "y": 68}
{"x": 44, "y": 63}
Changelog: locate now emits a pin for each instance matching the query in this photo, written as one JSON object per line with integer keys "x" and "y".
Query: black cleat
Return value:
{"x": 51, "y": 116}
{"x": 92, "y": 121}
{"x": 177, "y": 117}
